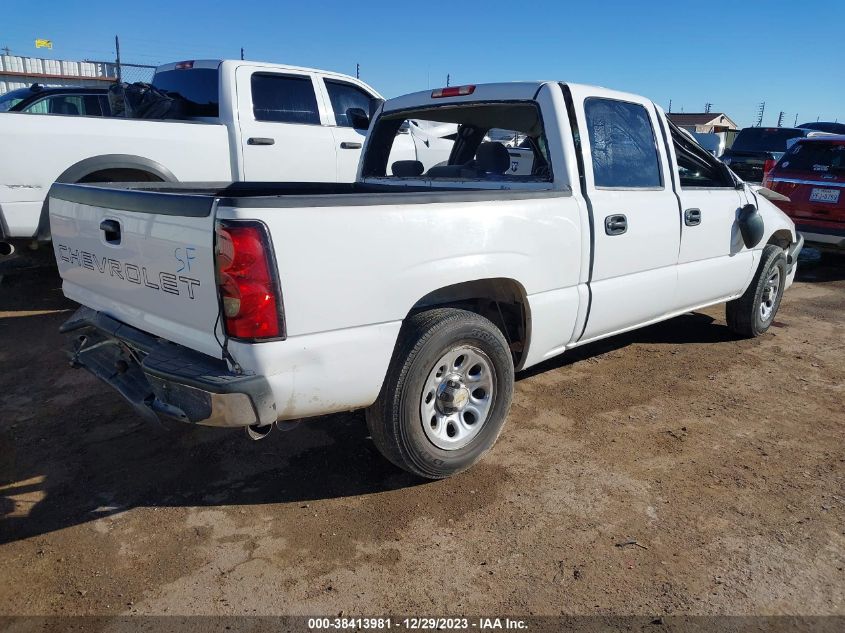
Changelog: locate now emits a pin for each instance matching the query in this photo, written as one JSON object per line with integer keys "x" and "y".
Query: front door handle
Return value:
{"x": 260, "y": 140}
{"x": 350, "y": 145}
{"x": 692, "y": 217}
{"x": 615, "y": 224}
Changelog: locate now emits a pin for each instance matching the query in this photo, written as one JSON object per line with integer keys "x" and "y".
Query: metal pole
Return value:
{"x": 242, "y": 53}
{"x": 357, "y": 71}
{"x": 117, "y": 58}
{"x": 448, "y": 79}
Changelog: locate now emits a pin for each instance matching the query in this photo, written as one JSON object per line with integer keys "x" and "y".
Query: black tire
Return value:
{"x": 395, "y": 420}
{"x": 744, "y": 315}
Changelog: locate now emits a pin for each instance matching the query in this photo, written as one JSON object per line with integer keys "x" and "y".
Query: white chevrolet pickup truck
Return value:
{"x": 415, "y": 293}
{"x": 245, "y": 121}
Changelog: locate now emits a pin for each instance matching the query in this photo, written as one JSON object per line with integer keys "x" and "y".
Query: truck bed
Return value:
{"x": 196, "y": 198}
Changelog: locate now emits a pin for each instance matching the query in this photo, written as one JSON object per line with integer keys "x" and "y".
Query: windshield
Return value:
{"x": 764, "y": 139}
{"x": 814, "y": 156}
{"x": 13, "y": 98}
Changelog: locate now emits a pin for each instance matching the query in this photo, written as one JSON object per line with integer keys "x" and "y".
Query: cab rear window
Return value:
{"x": 815, "y": 156}
{"x": 764, "y": 139}
{"x": 198, "y": 87}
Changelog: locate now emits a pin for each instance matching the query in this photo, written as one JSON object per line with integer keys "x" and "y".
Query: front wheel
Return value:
{"x": 446, "y": 395}
{"x": 751, "y": 314}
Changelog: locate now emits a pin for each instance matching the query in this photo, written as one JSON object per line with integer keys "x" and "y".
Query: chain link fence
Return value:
{"x": 132, "y": 73}
{"x": 129, "y": 73}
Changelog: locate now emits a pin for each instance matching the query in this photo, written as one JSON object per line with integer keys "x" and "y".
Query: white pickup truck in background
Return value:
{"x": 247, "y": 121}
{"x": 417, "y": 291}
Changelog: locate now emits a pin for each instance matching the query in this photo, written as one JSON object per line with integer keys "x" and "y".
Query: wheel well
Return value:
{"x": 502, "y": 301}
{"x": 782, "y": 238}
{"x": 120, "y": 174}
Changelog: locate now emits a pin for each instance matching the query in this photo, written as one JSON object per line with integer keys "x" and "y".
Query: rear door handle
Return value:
{"x": 260, "y": 140}
{"x": 692, "y": 217}
{"x": 615, "y": 224}
{"x": 349, "y": 145}
{"x": 111, "y": 231}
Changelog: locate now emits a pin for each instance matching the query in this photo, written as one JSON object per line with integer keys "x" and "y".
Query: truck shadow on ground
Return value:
{"x": 816, "y": 267}
{"x": 72, "y": 452}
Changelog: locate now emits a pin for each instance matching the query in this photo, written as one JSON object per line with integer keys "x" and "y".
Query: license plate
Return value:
{"x": 824, "y": 195}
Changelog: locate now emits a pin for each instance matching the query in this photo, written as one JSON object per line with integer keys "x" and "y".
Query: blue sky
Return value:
{"x": 732, "y": 54}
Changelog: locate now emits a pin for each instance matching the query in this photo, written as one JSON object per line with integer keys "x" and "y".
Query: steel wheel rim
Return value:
{"x": 770, "y": 295}
{"x": 457, "y": 397}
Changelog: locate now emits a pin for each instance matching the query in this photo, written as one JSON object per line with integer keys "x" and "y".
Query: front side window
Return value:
{"x": 696, "y": 166}
{"x": 13, "y": 98}
{"x": 284, "y": 99}
{"x": 345, "y": 96}
{"x": 622, "y": 143}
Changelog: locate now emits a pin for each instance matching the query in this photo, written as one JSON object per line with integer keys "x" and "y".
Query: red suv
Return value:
{"x": 812, "y": 175}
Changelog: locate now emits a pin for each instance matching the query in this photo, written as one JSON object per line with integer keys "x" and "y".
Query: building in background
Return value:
{"x": 703, "y": 121}
{"x": 21, "y": 72}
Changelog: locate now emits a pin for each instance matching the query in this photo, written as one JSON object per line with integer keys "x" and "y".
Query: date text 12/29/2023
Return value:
{"x": 417, "y": 624}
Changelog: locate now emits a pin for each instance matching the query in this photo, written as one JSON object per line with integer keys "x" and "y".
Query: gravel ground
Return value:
{"x": 674, "y": 470}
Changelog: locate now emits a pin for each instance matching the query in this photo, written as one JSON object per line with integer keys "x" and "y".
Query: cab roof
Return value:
{"x": 216, "y": 63}
{"x": 502, "y": 91}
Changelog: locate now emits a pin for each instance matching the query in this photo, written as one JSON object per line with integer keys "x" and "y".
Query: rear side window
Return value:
{"x": 764, "y": 139}
{"x": 815, "y": 156}
{"x": 198, "y": 87}
{"x": 284, "y": 99}
{"x": 344, "y": 96}
{"x": 624, "y": 151}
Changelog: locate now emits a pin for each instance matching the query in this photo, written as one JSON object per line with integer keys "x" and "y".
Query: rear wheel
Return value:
{"x": 751, "y": 314}
{"x": 446, "y": 395}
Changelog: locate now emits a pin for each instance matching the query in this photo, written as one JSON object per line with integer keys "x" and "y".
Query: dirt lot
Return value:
{"x": 723, "y": 459}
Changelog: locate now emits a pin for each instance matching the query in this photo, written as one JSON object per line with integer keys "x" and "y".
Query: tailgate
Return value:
{"x": 142, "y": 257}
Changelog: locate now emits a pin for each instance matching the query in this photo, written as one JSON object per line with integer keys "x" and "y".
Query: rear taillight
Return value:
{"x": 768, "y": 166}
{"x": 246, "y": 281}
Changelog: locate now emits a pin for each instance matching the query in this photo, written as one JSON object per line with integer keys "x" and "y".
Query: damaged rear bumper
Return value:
{"x": 162, "y": 379}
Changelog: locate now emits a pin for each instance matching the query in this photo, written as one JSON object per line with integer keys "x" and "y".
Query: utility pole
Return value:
{"x": 242, "y": 53}
{"x": 780, "y": 119}
{"x": 448, "y": 79}
{"x": 796, "y": 120}
{"x": 670, "y": 106}
{"x": 707, "y": 107}
{"x": 761, "y": 109}
{"x": 357, "y": 71}
{"x": 117, "y": 57}
{"x": 6, "y": 50}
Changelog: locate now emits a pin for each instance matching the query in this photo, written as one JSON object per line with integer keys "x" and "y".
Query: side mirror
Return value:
{"x": 358, "y": 119}
{"x": 750, "y": 225}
